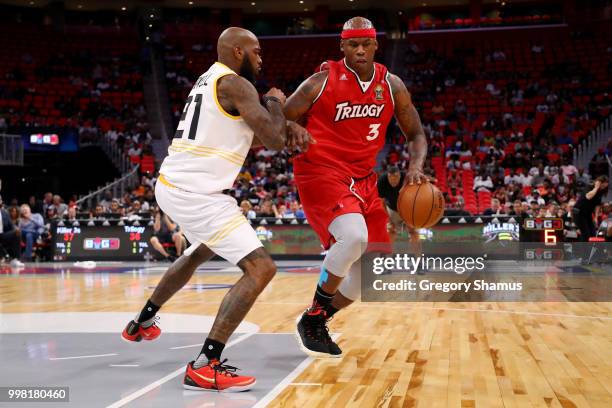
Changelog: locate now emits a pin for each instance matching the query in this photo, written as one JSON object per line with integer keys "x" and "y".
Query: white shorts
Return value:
{"x": 214, "y": 220}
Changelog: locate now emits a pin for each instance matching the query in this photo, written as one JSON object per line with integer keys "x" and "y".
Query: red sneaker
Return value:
{"x": 135, "y": 332}
{"x": 216, "y": 376}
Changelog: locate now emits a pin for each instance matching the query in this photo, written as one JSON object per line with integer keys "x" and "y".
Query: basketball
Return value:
{"x": 420, "y": 205}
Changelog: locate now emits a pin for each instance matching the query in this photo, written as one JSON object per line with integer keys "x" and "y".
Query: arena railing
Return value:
{"x": 588, "y": 147}
{"x": 117, "y": 187}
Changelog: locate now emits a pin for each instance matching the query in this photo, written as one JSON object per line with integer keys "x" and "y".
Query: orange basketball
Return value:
{"x": 420, "y": 205}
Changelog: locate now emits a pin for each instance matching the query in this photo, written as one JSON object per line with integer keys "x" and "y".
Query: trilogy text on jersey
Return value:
{"x": 344, "y": 110}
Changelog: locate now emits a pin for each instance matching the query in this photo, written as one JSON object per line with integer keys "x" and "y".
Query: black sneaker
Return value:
{"x": 313, "y": 335}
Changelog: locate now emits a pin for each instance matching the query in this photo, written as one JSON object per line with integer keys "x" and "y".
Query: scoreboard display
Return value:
{"x": 112, "y": 243}
{"x": 544, "y": 229}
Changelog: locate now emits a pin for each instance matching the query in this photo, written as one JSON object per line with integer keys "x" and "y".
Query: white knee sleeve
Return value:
{"x": 350, "y": 287}
{"x": 351, "y": 234}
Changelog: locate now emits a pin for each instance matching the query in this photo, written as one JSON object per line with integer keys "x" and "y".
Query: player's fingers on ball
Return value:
{"x": 292, "y": 141}
{"x": 300, "y": 139}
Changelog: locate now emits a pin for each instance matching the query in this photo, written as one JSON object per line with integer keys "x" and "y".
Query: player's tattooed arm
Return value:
{"x": 410, "y": 124}
{"x": 302, "y": 99}
{"x": 268, "y": 123}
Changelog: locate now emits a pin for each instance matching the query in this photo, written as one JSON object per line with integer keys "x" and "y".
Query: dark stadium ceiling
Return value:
{"x": 248, "y": 6}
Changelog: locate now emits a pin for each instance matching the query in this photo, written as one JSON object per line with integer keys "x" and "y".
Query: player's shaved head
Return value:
{"x": 357, "y": 23}
{"x": 239, "y": 49}
{"x": 231, "y": 38}
{"x": 359, "y": 45}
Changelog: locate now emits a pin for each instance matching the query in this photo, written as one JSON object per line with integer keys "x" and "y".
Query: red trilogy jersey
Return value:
{"x": 349, "y": 121}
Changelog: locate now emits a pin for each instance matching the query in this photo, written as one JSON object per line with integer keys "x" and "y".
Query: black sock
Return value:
{"x": 321, "y": 298}
{"x": 148, "y": 312}
{"x": 211, "y": 350}
{"x": 330, "y": 310}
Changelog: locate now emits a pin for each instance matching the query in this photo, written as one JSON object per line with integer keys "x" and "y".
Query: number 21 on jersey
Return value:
{"x": 193, "y": 124}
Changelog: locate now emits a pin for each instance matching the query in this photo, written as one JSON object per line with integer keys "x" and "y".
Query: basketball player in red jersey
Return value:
{"x": 347, "y": 108}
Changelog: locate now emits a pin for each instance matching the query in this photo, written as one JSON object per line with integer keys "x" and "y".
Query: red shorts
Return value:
{"x": 326, "y": 194}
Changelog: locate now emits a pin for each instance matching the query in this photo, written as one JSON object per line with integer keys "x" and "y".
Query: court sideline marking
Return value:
{"x": 122, "y": 402}
{"x": 89, "y": 356}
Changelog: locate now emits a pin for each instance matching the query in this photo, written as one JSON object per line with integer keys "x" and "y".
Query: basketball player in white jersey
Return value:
{"x": 222, "y": 116}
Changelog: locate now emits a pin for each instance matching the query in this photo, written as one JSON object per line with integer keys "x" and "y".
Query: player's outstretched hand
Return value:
{"x": 277, "y": 93}
{"x": 298, "y": 137}
{"x": 415, "y": 176}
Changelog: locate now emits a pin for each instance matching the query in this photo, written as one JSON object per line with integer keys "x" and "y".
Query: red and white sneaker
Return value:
{"x": 135, "y": 332}
{"x": 216, "y": 376}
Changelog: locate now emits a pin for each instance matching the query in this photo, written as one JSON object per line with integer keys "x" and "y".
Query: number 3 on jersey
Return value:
{"x": 373, "y": 131}
{"x": 193, "y": 125}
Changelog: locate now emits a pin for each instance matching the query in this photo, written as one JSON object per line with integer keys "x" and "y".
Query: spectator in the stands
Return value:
{"x": 458, "y": 209}
{"x": 14, "y": 214}
{"x": 582, "y": 179}
{"x": 115, "y": 210}
{"x": 512, "y": 177}
{"x": 70, "y": 215}
{"x": 126, "y": 200}
{"x": 107, "y": 198}
{"x": 294, "y": 211}
{"x": 166, "y": 231}
{"x": 282, "y": 211}
{"x": 134, "y": 152}
{"x": 495, "y": 209}
{"x": 59, "y": 205}
{"x": 9, "y": 239}
{"x": 453, "y": 196}
{"x": 454, "y": 180}
{"x": 148, "y": 180}
{"x": 99, "y": 213}
{"x": 31, "y": 227}
{"x": 268, "y": 209}
{"x": 483, "y": 182}
{"x": 51, "y": 214}
{"x": 534, "y": 208}
{"x": 517, "y": 209}
{"x": 133, "y": 213}
{"x": 599, "y": 164}
{"x": 148, "y": 199}
{"x": 260, "y": 192}
{"x": 562, "y": 193}
{"x": 538, "y": 198}
{"x": 247, "y": 209}
{"x": 47, "y": 201}
{"x": 35, "y": 205}
{"x": 539, "y": 177}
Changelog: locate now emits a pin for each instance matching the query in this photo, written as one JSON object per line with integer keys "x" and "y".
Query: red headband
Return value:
{"x": 358, "y": 33}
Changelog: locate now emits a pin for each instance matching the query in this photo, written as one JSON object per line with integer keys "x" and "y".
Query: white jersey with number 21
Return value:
{"x": 210, "y": 144}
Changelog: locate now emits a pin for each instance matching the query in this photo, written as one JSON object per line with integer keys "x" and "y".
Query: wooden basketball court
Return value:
{"x": 395, "y": 354}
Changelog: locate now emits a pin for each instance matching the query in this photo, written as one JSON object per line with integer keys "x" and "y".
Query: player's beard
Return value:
{"x": 247, "y": 70}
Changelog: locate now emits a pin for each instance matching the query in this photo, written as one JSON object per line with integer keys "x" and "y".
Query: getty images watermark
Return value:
{"x": 488, "y": 271}
{"x": 413, "y": 265}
